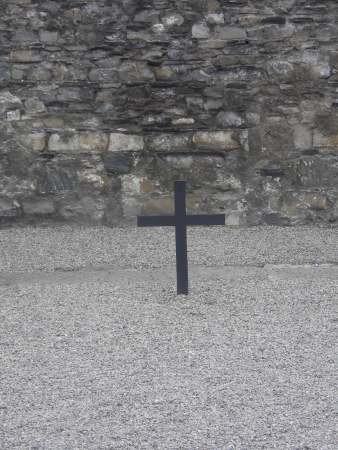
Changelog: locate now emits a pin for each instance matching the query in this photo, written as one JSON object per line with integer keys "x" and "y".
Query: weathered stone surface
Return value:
{"x": 200, "y": 31}
{"x": 161, "y": 206}
{"x": 56, "y": 180}
{"x": 215, "y": 18}
{"x": 25, "y": 37}
{"x": 86, "y": 209}
{"x": 8, "y": 101}
{"x": 228, "y": 119}
{"x": 118, "y": 163}
{"x": 34, "y": 106}
{"x": 48, "y": 37}
{"x": 297, "y": 203}
{"x": 9, "y": 209}
{"x": 13, "y": 115}
{"x": 282, "y": 70}
{"x": 303, "y": 137}
{"x": 322, "y": 140}
{"x": 314, "y": 171}
{"x": 132, "y": 72}
{"x": 25, "y": 56}
{"x": 120, "y": 142}
{"x": 39, "y": 74}
{"x": 169, "y": 142}
{"x": 86, "y": 141}
{"x": 71, "y": 94}
{"x": 106, "y": 75}
{"x": 231, "y": 33}
{"x": 147, "y": 16}
{"x": 163, "y": 73}
{"x": 131, "y": 184}
{"x": 277, "y": 138}
{"x": 216, "y": 140}
{"x": 183, "y": 121}
{"x": 39, "y": 207}
{"x": 5, "y": 72}
{"x": 172, "y": 20}
{"x": 234, "y": 219}
{"x": 108, "y": 102}
{"x": 34, "y": 141}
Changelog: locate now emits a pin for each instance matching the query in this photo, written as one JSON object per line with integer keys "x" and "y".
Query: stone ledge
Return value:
{"x": 193, "y": 141}
{"x": 120, "y": 142}
{"x": 215, "y": 140}
{"x": 78, "y": 142}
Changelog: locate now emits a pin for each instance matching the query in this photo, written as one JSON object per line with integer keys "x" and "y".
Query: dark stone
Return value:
{"x": 9, "y": 210}
{"x": 279, "y": 20}
{"x": 5, "y": 72}
{"x": 301, "y": 20}
{"x": 118, "y": 163}
{"x": 17, "y": 162}
{"x": 275, "y": 219}
{"x": 57, "y": 181}
{"x": 272, "y": 172}
{"x": 310, "y": 152}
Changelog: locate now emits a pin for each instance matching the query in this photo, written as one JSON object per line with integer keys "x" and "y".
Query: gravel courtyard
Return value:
{"x": 98, "y": 352}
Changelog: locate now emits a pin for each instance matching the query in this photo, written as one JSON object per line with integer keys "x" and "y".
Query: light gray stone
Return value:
{"x": 106, "y": 75}
{"x": 169, "y": 142}
{"x": 13, "y": 115}
{"x": 215, "y": 18}
{"x": 228, "y": 119}
{"x": 200, "y": 31}
{"x": 134, "y": 72}
{"x": 302, "y": 137}
{"x": 34, "y": 141}
{"x": 40, "y": 73}
{"x": 322, "y": 140}
{"x": 215, "y": 140}
{"x": 231, "y": 33}
{"x": 120, "y": 142}
{"x": 85, "y": 141}
{"x": 173, "y": 20}
{"x": 48, "y": 37}
{"x": 8, "y": 101}
{"x": 86, "y": 209}
{"x": 38, "y": 207}
{"x": 280, "y": 68}
{"x": 25, "y": 37}
{"x": 34, "y": 106}
{"x": 25, "y": 56}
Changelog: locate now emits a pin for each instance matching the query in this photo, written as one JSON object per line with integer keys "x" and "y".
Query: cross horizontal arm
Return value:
{"x": 155, "y": 221}
{"x": 203, "y": 219}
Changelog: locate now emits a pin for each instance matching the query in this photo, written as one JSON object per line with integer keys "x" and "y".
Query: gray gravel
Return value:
{"x": 67, "y": 247}
{"x": 101, "y": 353}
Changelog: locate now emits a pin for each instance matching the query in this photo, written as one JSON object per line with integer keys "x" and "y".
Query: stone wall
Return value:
{"x": 105, "y": 103}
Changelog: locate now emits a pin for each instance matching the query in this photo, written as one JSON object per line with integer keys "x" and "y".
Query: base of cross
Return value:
{"x": 180, "y": 220}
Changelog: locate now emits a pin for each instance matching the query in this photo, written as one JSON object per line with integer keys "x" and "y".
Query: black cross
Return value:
{"x": 180, "y": 221}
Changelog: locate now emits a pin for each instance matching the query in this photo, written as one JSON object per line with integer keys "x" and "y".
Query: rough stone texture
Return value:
{"x": 122, "y": 142}
{"x": 238, "y": 98}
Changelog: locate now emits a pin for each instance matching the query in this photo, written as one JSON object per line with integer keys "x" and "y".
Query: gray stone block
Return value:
{"x": 38, "y": 207}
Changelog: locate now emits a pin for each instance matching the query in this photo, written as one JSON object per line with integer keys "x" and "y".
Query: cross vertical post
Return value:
{"x": 181, "y": 238}
{"x": 180, "y": 220}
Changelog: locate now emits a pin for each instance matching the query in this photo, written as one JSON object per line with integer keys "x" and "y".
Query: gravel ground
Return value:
{"x": 97, "y": 351}
{"x": 48, "y": 249}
